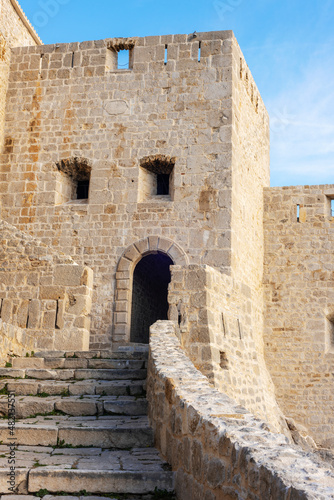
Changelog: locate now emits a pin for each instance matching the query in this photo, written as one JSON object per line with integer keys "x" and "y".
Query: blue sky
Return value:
{"x": 288, "y": 45}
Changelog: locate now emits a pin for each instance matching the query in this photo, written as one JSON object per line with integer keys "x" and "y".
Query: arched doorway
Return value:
{"x": 149, "y": 294}
{"x": 124, "y": 277}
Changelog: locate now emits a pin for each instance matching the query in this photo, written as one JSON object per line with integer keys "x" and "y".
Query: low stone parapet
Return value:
{"x": 217, "y": 448}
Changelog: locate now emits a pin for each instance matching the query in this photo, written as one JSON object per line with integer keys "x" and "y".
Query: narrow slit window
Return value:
{"x": 223, "y": 325}
{"x": 41, "y": 63}
{"x": 179, "y": 319}
{"x": 123, "y": 61}
{"x": 166, "y": 54}
{"x": 332, "y": 207}
{"x": 57, "y": 313}
{"x": 72, "y": 62}
{"x": 239, "y": 328}
{"x": 298, "y": 212}
{"x": 199, "y": 51}
{"x": 163, "y": 184}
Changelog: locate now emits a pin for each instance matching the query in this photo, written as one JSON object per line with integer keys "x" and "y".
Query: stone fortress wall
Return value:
{"x": 45, "y": 297}
{"x": 299, "y": 292}
{"x": 213, "y": 317}
{"x": 188, "y": 103}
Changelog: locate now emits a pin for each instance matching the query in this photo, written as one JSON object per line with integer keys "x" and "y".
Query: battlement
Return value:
{"x": 144, "y": 55}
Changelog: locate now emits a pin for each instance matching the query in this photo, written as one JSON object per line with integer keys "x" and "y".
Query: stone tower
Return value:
{"x": 88, "y": 145}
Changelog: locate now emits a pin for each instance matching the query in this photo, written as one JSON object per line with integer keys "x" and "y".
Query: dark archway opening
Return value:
{"x": 149, "y": 294}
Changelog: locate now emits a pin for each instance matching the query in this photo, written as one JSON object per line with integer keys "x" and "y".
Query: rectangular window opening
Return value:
{"x": 123, "y": 60}
{"x": 163, "y": 184}
{"x": 332, "y": 207}
{"x": 82, "y": 190}
{"x": 199, "y": 51}
{"x": 298, "y": 212}
{"x": 166, "y": 54}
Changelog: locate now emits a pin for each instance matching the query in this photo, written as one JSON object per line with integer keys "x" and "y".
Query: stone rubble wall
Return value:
{"x": 299, "y": 296}
{"x": 43, "y": 295}
{"x": 217, "y": 448}
{"x": 214, "y": 313}
{"x": 66, "y": 101}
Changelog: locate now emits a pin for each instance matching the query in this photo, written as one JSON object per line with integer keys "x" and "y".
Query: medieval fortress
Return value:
{"x": 137, "y": 192}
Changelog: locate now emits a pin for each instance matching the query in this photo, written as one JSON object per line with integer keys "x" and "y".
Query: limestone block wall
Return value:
{"x": 69, "y": 102}
{"x": 251, "y": 173}
{"x": 15, "y": 31}
{"x": 299, "y": 293}
{"x": 214, "y": 317}
{"x": 14, "y": 340}
{"x": 217, "y": 448}
{"x": 43, "y": 294}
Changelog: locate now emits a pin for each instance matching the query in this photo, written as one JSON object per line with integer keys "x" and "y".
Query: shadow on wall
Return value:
{"x": 149, "y": 294}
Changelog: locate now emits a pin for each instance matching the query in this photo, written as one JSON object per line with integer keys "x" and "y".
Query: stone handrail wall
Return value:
{"x": 217, "y": 319}
{"x": 217, "y": 448}
{"x": 42, "y": 293}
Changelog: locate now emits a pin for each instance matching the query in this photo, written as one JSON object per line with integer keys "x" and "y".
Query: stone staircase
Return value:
{"x": 81, "y": 427}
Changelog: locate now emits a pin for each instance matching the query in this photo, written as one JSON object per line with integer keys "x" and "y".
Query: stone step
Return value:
{"x": 105, "y": 432}
{"x": 29, "y": 406}
{"x": 74, "y": 388}
{"x": 86, "y": 470}
{"x": 97, "y": 481}
{"x": 123, "y": 352}
{"x": 77, "y": 363}
{"x": 78, "y": 374}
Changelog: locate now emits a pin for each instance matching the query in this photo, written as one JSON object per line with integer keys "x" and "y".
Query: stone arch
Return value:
{"x": 124, "y": 274}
